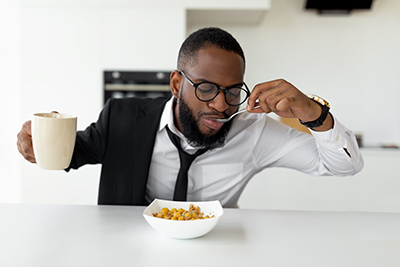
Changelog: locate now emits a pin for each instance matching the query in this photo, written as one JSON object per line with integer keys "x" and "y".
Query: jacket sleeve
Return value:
{"x": 91, "y": 144}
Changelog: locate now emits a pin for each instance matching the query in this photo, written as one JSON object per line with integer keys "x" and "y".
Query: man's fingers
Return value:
{"x": 262, "y": 91}
{"x": 28, "y": 128}
{"x": 26, "y": 151}
{"x": 256, "y": 109}
{"x": 24, "y": 142}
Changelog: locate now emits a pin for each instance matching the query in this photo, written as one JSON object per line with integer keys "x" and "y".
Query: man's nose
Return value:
{"x": 219, "y": 103}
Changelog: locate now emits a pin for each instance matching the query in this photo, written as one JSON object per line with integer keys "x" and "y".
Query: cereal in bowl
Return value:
{"x": 194, "y": 213}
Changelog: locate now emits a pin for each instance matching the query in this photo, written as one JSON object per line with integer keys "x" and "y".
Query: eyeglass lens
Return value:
{"x": 233, "y": 96}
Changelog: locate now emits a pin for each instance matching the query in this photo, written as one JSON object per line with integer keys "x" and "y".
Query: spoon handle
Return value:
{"x": 234, "y": 114}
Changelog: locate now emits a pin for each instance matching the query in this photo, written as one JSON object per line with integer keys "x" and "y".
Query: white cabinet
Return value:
{"x": 142, "y": 38}
{"x": 229, "y": 12}
{"x": 227, "y": 4}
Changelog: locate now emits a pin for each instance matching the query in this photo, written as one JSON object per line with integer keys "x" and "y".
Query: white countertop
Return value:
{"x": 68, "y": 235}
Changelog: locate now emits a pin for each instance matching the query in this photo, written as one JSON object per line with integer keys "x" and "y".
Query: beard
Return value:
{"x": 192, "y": 132}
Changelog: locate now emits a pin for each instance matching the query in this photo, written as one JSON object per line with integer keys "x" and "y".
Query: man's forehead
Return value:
{"x": 216, "y": 64}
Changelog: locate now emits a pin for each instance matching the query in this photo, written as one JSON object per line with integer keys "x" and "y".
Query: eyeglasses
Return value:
{"x": 207, "y": 91}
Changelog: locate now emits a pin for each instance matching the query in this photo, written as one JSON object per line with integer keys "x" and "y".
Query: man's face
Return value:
{"x": 195, "y": 118}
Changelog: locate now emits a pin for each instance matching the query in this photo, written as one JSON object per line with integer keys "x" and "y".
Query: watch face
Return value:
{"x": 319, "y": 100}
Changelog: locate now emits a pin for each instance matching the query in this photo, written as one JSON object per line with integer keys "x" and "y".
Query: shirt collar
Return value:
{"x": 167, "y": 118}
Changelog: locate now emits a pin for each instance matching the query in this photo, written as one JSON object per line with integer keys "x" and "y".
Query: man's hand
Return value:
{"x": 24, "y": 142}
{"x": 285, "y": 100}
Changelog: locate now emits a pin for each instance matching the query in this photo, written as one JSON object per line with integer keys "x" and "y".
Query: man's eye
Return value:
{"x": 206, "y": 88}
{"x": 234, "y": 92}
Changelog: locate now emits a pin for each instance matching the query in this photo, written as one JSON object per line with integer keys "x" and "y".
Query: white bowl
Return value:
{"x": 183, "y": 229}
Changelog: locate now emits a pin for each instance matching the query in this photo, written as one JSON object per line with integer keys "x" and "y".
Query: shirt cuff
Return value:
{"x": 340, "y": 139}
{"x": 337, "y": 137}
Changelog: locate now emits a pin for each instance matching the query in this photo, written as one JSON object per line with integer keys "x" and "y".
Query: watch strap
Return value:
{"x": 324, "y": 114}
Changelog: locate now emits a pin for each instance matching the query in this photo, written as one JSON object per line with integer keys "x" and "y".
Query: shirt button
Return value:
{"x": 337, "y": 139}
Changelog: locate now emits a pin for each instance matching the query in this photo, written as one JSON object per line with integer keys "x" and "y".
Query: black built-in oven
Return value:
{"x": 120, "y": 84}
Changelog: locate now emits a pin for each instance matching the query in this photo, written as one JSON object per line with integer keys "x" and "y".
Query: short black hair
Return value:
{"x": 211, "y": 36}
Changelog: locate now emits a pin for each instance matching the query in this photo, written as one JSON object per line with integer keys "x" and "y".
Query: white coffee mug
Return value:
{"x": 53, "y": 139}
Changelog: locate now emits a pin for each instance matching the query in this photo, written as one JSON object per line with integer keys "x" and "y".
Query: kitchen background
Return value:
{"x": 53, "y": 54}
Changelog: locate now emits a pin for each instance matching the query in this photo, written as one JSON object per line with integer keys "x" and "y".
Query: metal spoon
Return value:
{"x": 234, "y": 114}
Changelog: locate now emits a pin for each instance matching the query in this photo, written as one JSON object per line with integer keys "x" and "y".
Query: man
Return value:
{"x": 133, "y": 139}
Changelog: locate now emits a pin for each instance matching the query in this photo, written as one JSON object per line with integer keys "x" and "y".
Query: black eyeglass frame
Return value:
{"x": 196, "y": 85}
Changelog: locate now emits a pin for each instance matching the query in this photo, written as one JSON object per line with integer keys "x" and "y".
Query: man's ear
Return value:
{"x": 175, "y": 83}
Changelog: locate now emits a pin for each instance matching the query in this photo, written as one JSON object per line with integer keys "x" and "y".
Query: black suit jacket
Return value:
{"x": 122, "y": 140}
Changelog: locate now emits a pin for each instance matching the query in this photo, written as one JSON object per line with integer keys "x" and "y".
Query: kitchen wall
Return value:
{"x": 10, "y": 95}
{"x": 54, "y": 55}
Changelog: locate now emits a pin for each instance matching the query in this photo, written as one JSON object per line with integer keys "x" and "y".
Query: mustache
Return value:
{"x": 223, "y": 115}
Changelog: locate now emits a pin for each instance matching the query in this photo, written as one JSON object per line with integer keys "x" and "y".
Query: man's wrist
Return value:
{"x": 320, "y": 121}
{"x": 327, "y": 125}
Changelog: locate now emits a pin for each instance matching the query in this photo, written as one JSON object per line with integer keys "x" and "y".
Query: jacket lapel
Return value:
{"x": 146, "y": 123}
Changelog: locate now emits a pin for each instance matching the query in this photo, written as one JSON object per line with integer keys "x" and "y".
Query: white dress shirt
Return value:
{"x": 255, "y": 142}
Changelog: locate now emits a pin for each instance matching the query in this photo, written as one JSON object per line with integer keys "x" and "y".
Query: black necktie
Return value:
{"x": 186, "y": 160}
